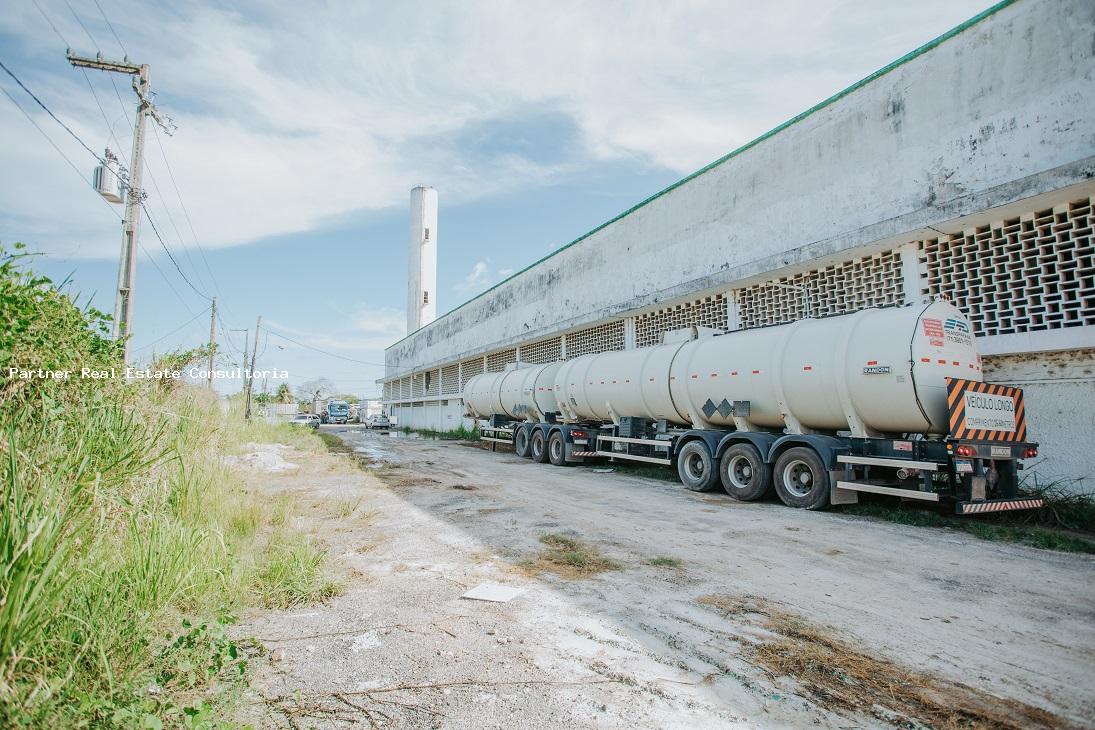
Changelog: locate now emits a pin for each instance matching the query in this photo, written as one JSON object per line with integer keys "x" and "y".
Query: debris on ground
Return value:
{"x": 262, "y": 457}
{"x": 493, "y": 592}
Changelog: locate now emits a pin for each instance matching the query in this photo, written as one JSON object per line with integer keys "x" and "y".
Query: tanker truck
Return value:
{"x": 886, "y": 400}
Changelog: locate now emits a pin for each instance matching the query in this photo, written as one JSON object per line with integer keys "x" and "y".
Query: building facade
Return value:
{"x": 964, "y": 170}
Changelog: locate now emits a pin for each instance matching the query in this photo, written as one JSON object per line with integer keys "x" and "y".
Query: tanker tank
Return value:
{"x": 524, "y": 392}
{"x": 875, "y": 371}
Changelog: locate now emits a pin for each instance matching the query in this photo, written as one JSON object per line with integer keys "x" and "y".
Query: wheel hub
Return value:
{"x": 798, "y": 478}
{"x": 695, "y": 467}
{"x": 741, "y": 473}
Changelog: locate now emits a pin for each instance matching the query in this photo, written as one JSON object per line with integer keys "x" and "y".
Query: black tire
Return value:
{"x": 538, "y": 448}
{"x": 801, "y": 479}
{"x": 743, "y": 474}
{"x": 522, "y": 443}
{"x": 696, "y": 468}
{"x": 557, "y": 449}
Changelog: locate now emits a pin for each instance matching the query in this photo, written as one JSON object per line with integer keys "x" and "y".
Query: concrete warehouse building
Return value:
{"x": 963, "y": 170}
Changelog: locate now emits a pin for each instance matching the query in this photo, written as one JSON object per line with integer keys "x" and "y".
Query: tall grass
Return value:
{"x": 126, "y": 545}
{"x": 117, "y": 522}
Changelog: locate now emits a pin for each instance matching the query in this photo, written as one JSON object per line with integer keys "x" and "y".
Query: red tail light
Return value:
{"x": 963, "y": 450}
{"x": 578, "y": 434}
{"x": 1030, "y": 452}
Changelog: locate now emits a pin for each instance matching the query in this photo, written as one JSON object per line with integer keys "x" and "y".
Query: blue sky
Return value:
{"x": 302, "y": 129}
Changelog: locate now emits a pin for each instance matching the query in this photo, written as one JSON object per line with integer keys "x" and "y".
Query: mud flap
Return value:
{"x": 837, "y": 495}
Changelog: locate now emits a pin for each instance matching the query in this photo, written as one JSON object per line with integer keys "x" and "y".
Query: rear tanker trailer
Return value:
{"x": 889, "y": 401}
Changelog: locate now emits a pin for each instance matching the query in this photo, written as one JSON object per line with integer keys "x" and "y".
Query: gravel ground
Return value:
{"x": 637, "y": 646}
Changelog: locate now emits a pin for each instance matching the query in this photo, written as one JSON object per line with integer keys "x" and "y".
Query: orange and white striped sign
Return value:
{"x": 985, "y": 412}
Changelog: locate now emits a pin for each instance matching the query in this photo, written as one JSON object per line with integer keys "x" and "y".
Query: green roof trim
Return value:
{"x": 770, "y": 133}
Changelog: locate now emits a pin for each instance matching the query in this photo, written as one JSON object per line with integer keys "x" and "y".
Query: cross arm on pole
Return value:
{"x": 102, "y": 64}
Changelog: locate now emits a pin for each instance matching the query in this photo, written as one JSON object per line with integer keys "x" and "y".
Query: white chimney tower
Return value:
{"x": 422, "y": 259}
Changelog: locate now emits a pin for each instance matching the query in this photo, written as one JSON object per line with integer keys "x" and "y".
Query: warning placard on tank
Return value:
{"x": 933, "y": 330}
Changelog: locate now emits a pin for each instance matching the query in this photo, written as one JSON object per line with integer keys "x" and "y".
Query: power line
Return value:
{"x": 59, "y": 150}
{"x": 167, "y": 281}
{"x": 51, "y": 25}
{"x": 171, "y": 256}
{"x": 125, "y": 112}
{"x": 325, "y": 352}
{"x": 110, "y": 130}
{"x": 171, "y": 220}
{"x": 184, "y": 324}
{"x": 186, "y": 213}
{"x": 81, "y": 23}
{"x": 111, "y": 26}
{"x": 47, "y": 110}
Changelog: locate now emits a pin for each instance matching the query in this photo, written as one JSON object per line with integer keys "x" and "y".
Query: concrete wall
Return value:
{"x": 999, "y": 112}
{"x": 1059, "y": 392}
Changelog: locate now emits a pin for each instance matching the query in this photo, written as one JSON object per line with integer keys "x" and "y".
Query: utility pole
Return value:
{"x": 243, "y": 362}
{"x": 212, "y": 340}
{"x": 251, "y": 372}
{"x": 127, "y": 267}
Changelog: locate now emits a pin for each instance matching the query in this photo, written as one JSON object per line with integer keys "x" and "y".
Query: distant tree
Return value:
{"x": 349, "y": 397}
{"x": 283, "y": 394}
{"x": 317, "y": 388}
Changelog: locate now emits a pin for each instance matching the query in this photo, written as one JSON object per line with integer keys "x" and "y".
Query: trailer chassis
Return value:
{"x": 972, "y": 477}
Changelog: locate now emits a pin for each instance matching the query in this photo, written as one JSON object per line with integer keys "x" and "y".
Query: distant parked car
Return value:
{"x": 380, "y": 421}
{"x": 305, "y": 419}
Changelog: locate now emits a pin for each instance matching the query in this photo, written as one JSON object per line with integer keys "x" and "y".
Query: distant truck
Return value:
{"x": 336, "y": 411}
{"x": 330, "y": 411}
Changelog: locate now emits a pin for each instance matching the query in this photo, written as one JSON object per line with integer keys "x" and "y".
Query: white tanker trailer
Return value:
{"x": 888, "y": 401}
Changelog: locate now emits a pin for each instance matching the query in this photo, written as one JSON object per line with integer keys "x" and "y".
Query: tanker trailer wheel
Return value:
{"x": 696, "y": 468}
{"x": 802, "y": 479}
{"x": 522, "y": 443}
{"x": 538, "y": 449}
{"x": 744, "y": 475}
{"x": 557, "y": 450}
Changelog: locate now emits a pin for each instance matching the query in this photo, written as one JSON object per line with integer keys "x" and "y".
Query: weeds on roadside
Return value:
{"x": 1015, "y": 527}
{"x": 569, "y": 558}
{"x": 292, "y": 573}
{"x": 460, "y": 433}
{"x": 118, "y": 519}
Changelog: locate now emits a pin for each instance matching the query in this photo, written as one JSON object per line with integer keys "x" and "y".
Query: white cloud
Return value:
{"x": 478, "y": 279}
{"x": 291, "y": 114}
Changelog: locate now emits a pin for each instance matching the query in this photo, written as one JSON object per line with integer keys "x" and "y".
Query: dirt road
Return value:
{"x": 737, "y": 634}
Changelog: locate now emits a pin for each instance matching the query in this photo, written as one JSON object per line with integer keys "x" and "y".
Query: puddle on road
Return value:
{"x": 375, "y": 458}
{"x": 410, "y": 436}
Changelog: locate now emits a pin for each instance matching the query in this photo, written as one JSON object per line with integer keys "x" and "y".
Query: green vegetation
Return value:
{"x": 569, "y": 558}
{"x": 664, "y": 561}
{"x": 1066, "y": 522}
{"x": 125, "y": 542}
{"x": 292, "y": 573}
{"x": 649, "y": 471}
{"x": 460, "y": 433}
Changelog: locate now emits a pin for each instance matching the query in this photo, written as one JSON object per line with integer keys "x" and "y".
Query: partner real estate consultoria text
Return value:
{"x": 130, "y": 373}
